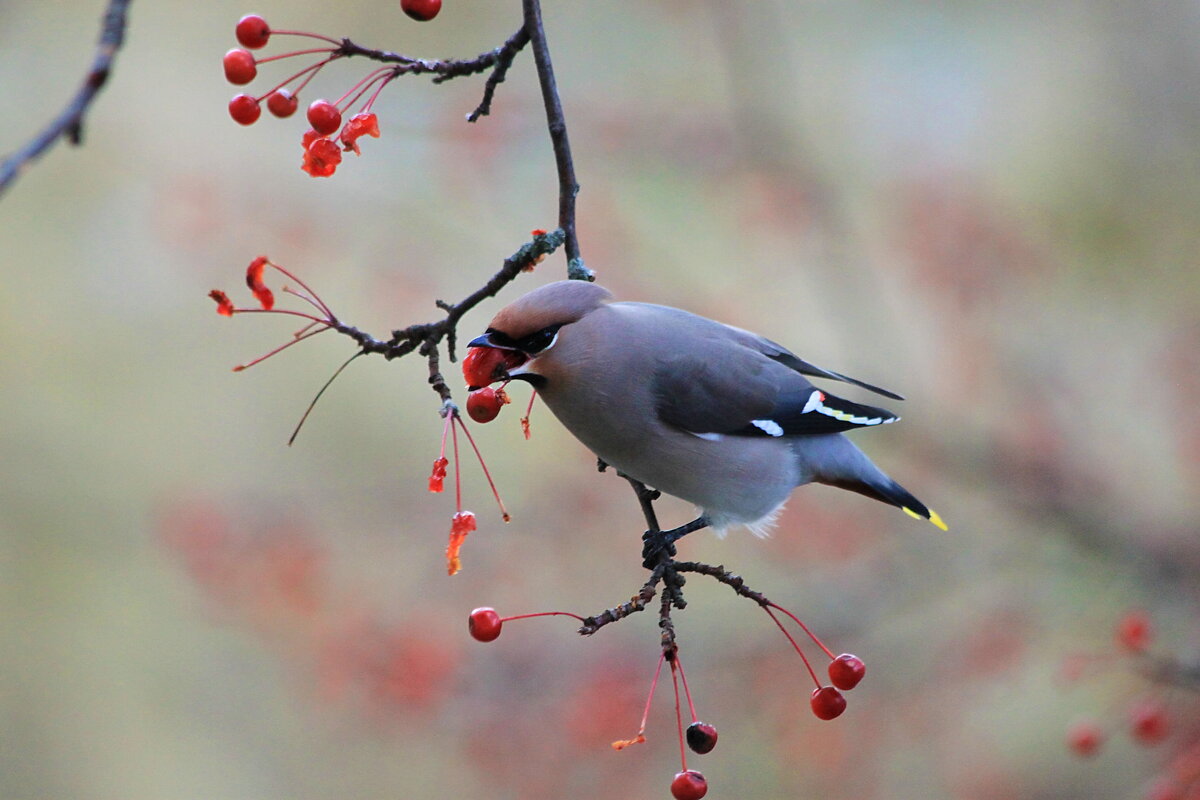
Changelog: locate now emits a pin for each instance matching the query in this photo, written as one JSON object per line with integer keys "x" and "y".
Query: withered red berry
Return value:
{"x": 240, "y": 67}
{"x": 827, "y": 703}
{"x": 282, "y": 103}
{"x": 421, "y": 10}
{"x": 701, "y": 737}
{"x": 252, "y": 31}
{"x": 1084, "y": 738}
{"x": 846, "y": 671}
{"x": 484, "y": 404}
{"x": 689, "y": 785}
{"x": 484, "y": 624}
{"x": 324, "y": 117}
{"x": 244, "y": 109}
{"x": 1149, "y": 722}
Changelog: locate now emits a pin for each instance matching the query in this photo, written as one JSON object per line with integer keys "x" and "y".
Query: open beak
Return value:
{"x": 487, "y": 362}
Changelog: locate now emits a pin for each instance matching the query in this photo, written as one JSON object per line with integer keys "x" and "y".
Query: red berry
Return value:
{"x": 252, "y": 31}
{"x": 240, "y": 68}
{"x": 484, "y": 404}
{"x": 846, "y": 671}
{"x": 1134, "y": 631}
{"x": 689, "y": 785}
{"x": 482, "y": 365}
{"x": 1085, "y": 738}
{"x": 324, "y": 117}
{"x": 827, "y": 702}
{"x": 701, "y": 737}
{"x": 421, "y": 10}
{"x": 244, "y": 109}
{"x": 1149, "y": 722}
{"x": 282, "y": 103}
{"x": 484, "y": 624}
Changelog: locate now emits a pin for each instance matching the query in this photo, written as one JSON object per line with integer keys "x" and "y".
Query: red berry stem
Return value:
{"x": 310, "y": 35}
{"x": 295, "y": 340}
{"x": 457, "y": 472}
{"x": 280, "y": 56}
{"x": 799, "y": 622}
{"x": 528, "y": 411}
{"x": 800, "y": 652}
{"x": 678, "y": 711}
{"x": 313, "y": 298}
{"x": 364, "y": 85}
{"x": 641, "y": 733}
{"x": 542, "y": 614}
{"x": 486, "y": 473}
{"x": 686, "y": 691}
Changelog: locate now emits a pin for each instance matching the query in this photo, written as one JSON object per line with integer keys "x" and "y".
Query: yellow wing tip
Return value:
{"x": 933, "y": 517}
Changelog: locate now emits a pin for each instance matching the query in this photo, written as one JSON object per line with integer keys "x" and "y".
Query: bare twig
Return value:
{"x": 69, "y": 123}
{"x": 568, "y": 187}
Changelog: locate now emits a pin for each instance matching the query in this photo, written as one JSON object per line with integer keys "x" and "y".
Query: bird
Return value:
{"x": 713, "y": 414}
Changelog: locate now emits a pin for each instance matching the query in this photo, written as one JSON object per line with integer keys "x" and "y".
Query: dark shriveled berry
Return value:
{"x": 701, "y": 737}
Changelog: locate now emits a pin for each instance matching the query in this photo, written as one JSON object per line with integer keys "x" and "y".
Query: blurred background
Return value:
{"x": 989, "y": 208}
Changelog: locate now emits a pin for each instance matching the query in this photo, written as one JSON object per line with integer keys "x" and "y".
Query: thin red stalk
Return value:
{"x": 543, "y": 614}
{"x": 314, "y": 69}
{"x": 322, "y": 37}
{"x": 653, "y": 685}
{"x": 374, "y": 97}
{"x": 457, "y": 472}
{"x": 445, "y": 430}
{"x": 320, "y": 392}
{"x": 363, "y": 85}
{"x": 528, "y": 411}
{"x": 286, "y": 312}
{"x": 678, "y": 713}
{"x": 686, "y": 691}
{"x": 316, "y": 297}
{"x": 303, "y": 297}
{"x": 303, "y": 330}
{"x": 486, "y": 473}
{"x": 278, "y": 350}
{"x": 293, "y": 54}
{"x": 803, "y": 657}
{"x": 811, "y": 635}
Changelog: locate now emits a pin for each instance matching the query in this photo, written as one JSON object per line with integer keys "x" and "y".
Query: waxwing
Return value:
{"x": 707, "y": 412}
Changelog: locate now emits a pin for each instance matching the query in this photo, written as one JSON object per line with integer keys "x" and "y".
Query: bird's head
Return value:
{"x": 526, "y": 329}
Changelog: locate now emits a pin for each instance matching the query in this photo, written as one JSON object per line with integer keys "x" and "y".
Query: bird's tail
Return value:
{"x": 837, "y": 462}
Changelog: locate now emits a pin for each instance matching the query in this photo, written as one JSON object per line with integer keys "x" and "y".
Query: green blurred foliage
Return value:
{"x": 990, "y": 208}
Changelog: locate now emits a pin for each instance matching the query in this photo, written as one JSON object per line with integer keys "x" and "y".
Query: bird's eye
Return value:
{"x": 537, "y": 342}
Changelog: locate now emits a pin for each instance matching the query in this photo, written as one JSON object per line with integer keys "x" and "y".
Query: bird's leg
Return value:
{"x": 656, "y": 542}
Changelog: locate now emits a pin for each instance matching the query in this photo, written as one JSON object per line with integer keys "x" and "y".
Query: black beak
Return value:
{"x": 486, "y": 341}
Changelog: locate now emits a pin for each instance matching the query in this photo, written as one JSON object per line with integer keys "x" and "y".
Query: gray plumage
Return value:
{"x": 703, "y": 411}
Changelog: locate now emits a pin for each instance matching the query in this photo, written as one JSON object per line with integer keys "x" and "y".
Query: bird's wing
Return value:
{"x": 777, "y": 352}
{"x": 729, "y": 388}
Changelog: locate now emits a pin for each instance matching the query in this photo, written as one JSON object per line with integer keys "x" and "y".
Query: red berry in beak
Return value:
{"x": 484, "y": 365}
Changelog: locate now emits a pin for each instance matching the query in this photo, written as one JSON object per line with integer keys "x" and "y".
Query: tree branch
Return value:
{"x": 69, "y": 123}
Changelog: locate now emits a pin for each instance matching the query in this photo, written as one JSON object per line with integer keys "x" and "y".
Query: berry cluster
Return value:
{"x": 846, "y": 671}
{"x": 1149, "y": 720}
{"x": 322, "y": 153}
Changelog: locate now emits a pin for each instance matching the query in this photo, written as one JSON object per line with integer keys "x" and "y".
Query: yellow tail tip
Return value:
{"x": 933, "y": 517}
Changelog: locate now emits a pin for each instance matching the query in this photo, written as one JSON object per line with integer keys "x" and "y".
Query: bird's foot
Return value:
{"x": 654, "y": 545}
